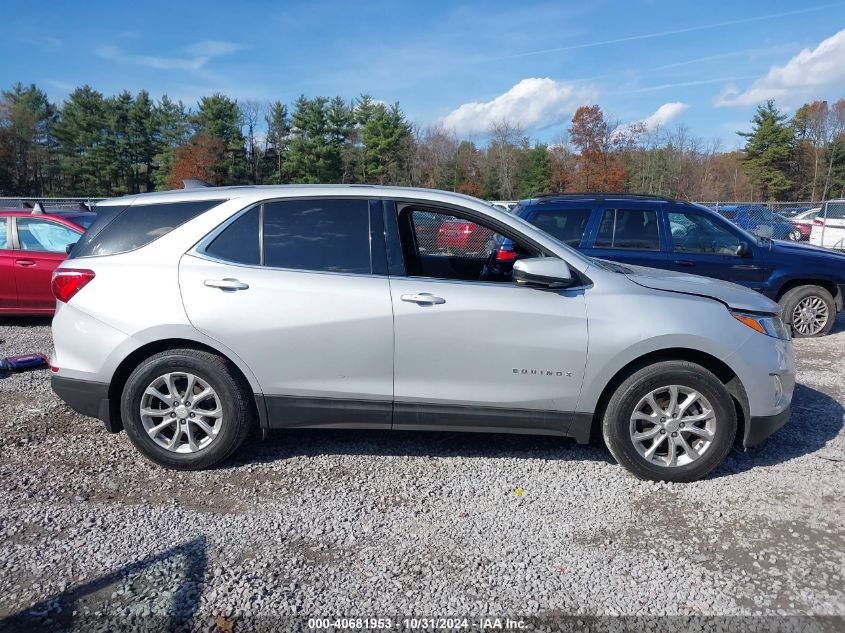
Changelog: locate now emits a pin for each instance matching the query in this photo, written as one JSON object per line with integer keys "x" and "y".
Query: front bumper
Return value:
{"x": 86, "y": 397}
{"x": 762, "y": 426}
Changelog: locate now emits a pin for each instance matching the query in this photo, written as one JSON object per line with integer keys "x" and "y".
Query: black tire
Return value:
{"x": 790, "y": 300}
{"x": 233, "y": 394}
{"x": 616, "y": 425}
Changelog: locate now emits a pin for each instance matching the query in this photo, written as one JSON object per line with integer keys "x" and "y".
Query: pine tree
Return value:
{"x": 768, "y": 151}
{"x": 278, "y": 136}
{"x": 536, "y": 172}
{"x": 81, "y": 139}
{"x": 26, "y": 121}
{"x": 172, "y": 131}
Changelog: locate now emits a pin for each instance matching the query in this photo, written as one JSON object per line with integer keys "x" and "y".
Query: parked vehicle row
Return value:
{"x": 184, "y": 317}
{"x": 808, "y": 282}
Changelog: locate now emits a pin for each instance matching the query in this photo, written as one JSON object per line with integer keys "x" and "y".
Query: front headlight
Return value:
{"x": 769, "y": 325}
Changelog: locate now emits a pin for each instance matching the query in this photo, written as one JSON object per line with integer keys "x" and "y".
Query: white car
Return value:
{"x": 829, "y": 225}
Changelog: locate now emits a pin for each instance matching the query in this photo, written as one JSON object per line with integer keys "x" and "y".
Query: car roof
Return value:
{"x": 283, "y": 191}
{"x": 599, "y": 196}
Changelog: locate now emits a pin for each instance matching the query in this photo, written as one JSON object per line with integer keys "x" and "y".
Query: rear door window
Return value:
{"x": 122, "y": 229}
{"x": 239, "y": 243}
{"x": 45, "y": 236}
{"x": 330, "y": 235}
{"x": 566, "y": 225}
{"x": 633, "y": 229}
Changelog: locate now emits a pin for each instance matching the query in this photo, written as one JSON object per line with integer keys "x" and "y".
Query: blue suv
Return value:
{"x": 808, "y": 282}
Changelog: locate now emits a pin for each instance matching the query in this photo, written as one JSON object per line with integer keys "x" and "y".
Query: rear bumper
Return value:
{"x": 761, "y": 427}
{"x": 86, "y": 397}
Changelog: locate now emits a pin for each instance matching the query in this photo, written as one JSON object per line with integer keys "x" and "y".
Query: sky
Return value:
{"x": 463, "y": 65}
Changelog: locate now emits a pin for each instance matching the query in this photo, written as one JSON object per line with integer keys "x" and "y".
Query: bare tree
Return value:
{"x": 251, "y": 113}
{"x": 505, "y": 136}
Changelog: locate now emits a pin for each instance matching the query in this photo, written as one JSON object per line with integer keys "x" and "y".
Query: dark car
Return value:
{"x": 32, "y": 244}
{"x": 807, "y": 281}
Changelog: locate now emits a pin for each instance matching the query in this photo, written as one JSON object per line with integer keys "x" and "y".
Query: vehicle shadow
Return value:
{"x": 838, "y": 324}
{"x": 283, "y": 444}
{"x": 26, "y": 321}
{"x": 90, "y": 606}
{"x": 816, "y": 419}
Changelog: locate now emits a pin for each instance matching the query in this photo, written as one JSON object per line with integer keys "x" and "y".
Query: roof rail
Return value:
{"x": 600, "y": 195}
{"x": 194, "y": 183}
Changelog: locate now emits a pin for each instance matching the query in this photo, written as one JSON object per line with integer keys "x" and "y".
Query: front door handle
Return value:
{"x": 684, "y": 262}
{"x": 226, "y": 284}
{"x": 25, "y": 262}
{"x": 423, "y": 298}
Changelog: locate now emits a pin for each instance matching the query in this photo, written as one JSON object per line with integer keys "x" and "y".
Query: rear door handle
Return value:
{"x": 684, "y": 262}
{"x": 226, "y": 284}
{"x": 423, "y": 298}
{"x": 25, "y": 262}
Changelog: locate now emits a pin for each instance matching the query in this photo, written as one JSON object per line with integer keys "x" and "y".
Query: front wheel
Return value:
{"x": 671, "y": 421}
{"x": 810, "y": 310}
{"x": 186, "y": 409}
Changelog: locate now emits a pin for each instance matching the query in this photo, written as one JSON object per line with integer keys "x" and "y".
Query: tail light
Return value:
{"x": 505, "y": 254}
{"x": 466, "y": 229}
{"x": 818, "y": 222}
{"x": 68, "y": 281}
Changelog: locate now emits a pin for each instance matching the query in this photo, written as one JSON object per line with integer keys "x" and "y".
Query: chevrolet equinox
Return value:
{"x": 185, "y": 317}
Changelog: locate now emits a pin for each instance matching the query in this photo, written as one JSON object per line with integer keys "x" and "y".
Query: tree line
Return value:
{"x": 95, "y": 145}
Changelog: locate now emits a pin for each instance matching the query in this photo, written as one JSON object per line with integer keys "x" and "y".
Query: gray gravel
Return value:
{"x": 354, "y": 523}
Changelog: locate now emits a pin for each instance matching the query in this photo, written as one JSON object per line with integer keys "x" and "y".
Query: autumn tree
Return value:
{"x": 203, "y": 158}
{"x": 600, "y": 146}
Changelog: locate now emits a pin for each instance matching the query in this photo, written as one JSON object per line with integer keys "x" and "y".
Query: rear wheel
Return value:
{"x": 186, "y": 409}
{"x": 809, "y": 310}
{"x": 671, "y": 421}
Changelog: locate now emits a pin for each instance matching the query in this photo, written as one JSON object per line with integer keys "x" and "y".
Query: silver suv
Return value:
{"x": 186, "y": 317}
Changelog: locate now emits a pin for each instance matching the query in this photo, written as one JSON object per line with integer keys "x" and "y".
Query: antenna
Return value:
{"x": 37, "y": 209}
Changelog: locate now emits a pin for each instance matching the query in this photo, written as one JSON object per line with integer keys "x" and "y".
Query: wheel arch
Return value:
{"x": 828, "y": 284}
{"x": 715, "y": 365}
{"x": 131, "y": 361}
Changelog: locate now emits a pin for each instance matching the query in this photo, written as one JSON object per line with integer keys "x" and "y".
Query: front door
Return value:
{"x": 472, "y": 349}
{"x": 289, "y": 287}
{"x": 43, "y": 246}
{"x": 704, "y": 246}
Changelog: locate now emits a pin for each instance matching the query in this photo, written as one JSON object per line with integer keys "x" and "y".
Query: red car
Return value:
{"x": 32, "y": 244}
{"x": 463, "y": 238}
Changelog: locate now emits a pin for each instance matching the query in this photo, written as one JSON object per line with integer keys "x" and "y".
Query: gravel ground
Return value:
{"x": 355, "y": 523}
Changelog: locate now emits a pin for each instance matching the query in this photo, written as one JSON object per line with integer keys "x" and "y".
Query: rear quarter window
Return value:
{"x": 122, "y": 229}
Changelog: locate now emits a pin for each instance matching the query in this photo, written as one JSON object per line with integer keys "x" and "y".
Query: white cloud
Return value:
{"x": 532, "y": 103}
{"x": 809, "y": 74}
{"x": 664, "y": 114}
{"x": 197, "y": 55}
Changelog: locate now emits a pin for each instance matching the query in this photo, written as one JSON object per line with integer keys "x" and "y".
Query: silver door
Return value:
{"x": 484, "y": 349}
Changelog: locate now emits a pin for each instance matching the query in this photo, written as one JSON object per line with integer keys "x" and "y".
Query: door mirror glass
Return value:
{"x": 742, "y": 249}
{"x": 542, "y": 272}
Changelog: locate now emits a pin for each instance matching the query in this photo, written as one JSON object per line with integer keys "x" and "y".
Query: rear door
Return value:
{"x": 8, "y": 291}
{"x": 296, "y": 290}
{"x": 706, "y": 245}
{"x": 42, "y": 246}
{"x": 629, "y": 233}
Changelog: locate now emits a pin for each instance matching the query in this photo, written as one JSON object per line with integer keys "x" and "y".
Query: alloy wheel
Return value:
{"x": 810, "y": 316}
{"x": 181, "y": 412}
{"x": 673, "y": 426}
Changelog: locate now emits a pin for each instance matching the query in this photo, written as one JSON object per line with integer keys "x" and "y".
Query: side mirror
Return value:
{"x": 742, "y": 250}
{"x": 542, "y": 272}
{"x": 69, "y": 247}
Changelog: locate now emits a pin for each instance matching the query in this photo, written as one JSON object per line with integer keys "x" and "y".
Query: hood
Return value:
{"x": 803, "y": 248}
{"x": 732, "y": 295}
